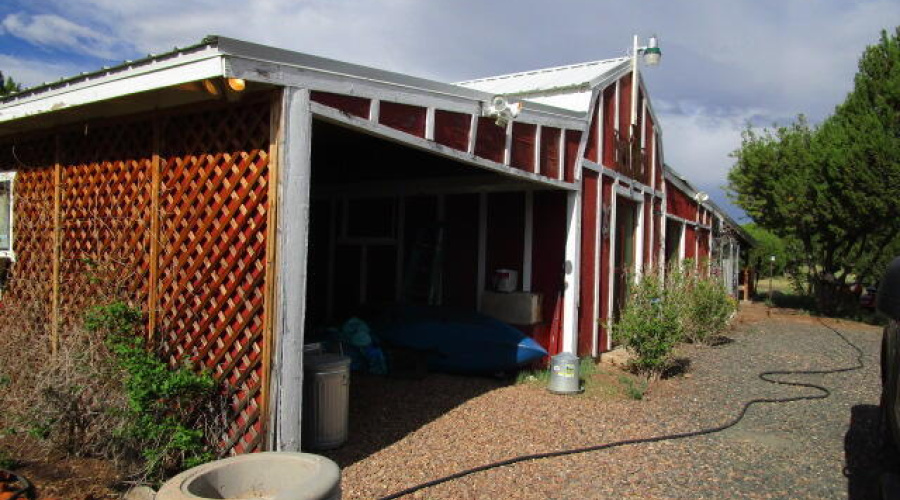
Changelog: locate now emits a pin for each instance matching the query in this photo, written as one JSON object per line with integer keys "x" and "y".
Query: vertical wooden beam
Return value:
{"x": 57, "y": 250}
{"x": 429, "y": 124}
{"x": 482, "y": 248}
{"x": 153, "y": 279}
{"x": 473, "y": 133}
{"x": 295, "y": 170}
{"x": 271, "y": 263}
{"x": 529, "y": 240}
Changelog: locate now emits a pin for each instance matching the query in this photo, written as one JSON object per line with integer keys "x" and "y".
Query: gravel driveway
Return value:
{"x": 421, "y": 430}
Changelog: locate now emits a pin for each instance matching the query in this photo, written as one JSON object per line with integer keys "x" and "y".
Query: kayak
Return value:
{"x": 458, "y": 341}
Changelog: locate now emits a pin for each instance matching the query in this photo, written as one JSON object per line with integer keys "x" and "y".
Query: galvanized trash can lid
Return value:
{"x": 325, "y": 361}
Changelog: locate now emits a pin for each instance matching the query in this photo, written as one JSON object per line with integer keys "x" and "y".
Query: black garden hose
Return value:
{"x": 765, "y": 376}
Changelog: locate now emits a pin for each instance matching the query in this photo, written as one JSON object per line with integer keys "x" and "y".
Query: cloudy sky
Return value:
{"x": 725, "y": 63}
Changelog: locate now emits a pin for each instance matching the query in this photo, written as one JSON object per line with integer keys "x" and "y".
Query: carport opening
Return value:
{"x": 391, "y": 224}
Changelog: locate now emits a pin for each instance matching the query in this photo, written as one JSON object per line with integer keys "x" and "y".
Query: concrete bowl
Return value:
{"x": 258, "y": 476}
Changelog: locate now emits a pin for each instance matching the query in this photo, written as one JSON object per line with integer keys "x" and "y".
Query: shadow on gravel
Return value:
{"x": 866, "y": 456}
{"x": 384, "y": 410}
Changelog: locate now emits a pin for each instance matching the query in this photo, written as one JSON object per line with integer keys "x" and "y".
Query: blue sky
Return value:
{"x": 725, "y": 63}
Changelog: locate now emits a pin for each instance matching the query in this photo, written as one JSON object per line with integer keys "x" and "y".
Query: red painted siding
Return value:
{"x": 573, "y": 140}
{"x": 648, "y": 235}
{"x": 678, "y": 203}
{"x": 548, "y": 254}
{"x": 356, "y": 106}
{"x": 625, "y": 106}
{"x": 587, "y": 312}
{"x": 452, "y": 129}
{"x": 403, "y": 117}
{"x": 505, "y": 233}
{"x": 690, "y": 240}
{"x": 659, "y": 225}
{"x": 609, "y": 126}
{"x": 491, "y": 140}
{"x": 590, "y": 149}
{"x": 523, "y": 142}
{"x": 550, "y": 154}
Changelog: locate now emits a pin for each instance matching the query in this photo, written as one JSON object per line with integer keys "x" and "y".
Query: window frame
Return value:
{"x": 10, "y": 177}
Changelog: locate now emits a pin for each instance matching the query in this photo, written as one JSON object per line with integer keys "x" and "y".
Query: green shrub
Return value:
{"x": 706, "y": 310}
{"x": 165, "y": 411}
{"x": 650, "y": 324}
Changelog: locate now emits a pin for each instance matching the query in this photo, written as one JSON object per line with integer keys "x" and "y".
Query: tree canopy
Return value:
{"x": 8, "y": 85}
{"x": 835, "y": 188}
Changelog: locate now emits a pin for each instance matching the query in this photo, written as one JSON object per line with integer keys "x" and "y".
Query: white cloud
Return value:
{"x": 52, "y": 31}
{"x": 30, "y": 72}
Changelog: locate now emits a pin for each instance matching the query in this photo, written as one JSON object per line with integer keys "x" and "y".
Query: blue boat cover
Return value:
{"x": 458, "y": 341}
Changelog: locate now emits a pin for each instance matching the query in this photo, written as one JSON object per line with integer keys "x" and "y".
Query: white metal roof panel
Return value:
{"x": 546, "y": 80}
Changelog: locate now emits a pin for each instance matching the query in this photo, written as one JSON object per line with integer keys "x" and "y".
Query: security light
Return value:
{"x": 652, "y": 54}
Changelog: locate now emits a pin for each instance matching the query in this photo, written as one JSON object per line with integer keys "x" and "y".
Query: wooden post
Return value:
{"x": 292, "y": 233}
{"x": 57, "y": 251}
{"x": 269, "y": 295}
{"x": 153, "y": 282}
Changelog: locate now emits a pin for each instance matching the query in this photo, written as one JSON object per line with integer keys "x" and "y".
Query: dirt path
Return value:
{"x": 811, "y": 449}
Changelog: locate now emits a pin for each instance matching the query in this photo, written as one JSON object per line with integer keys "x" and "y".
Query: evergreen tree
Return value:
{"x": 8, "y": 85}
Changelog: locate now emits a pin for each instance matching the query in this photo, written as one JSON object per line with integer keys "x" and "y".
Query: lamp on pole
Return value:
{"x": 651, "y": 54}
{"x": 771, "y": 270}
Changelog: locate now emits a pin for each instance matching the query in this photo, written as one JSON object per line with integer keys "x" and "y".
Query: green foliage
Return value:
{"x": 707, "y": 309}
{"x": 8, "y": 85}
{"x": 650, "y": 324}
{"x": 767, "y": 245}
{"x": 834, "y": 189}
{"x": 164, "y": 404}
{"x": 634, "y": 390}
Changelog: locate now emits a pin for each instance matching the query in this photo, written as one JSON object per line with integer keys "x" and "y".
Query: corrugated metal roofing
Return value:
{"x": 563, "y": 86}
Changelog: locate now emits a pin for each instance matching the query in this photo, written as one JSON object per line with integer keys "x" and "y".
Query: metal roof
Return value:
{"x": 567, "y": 87}
{"x": 212, "y": 47}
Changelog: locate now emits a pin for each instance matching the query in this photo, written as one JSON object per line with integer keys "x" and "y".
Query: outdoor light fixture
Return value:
{"x": 210, "y": 87}
{"x": 237, "y": 84}
{"x": 651, "y": 52}
{"x": 502, "y": 110}
{"x": 701, "y": 196}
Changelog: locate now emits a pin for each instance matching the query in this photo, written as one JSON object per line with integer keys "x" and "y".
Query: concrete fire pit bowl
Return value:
{"x": 258, "y": 476}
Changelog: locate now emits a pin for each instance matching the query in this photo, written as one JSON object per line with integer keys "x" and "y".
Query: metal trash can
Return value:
{"x": 564, "y": 374}
{"x": 326, "y": 400}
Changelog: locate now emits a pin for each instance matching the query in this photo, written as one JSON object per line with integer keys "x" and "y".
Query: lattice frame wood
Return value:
{"x": 210, "y": 278}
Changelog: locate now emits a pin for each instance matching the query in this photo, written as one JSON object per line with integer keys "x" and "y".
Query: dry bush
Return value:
{"x": 72, "y": 401}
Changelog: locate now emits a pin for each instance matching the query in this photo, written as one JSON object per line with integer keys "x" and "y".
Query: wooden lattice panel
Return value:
{"x": 30, "y": 282}
{"x": 105, "y": 216}
{"x": 213, "y": 204}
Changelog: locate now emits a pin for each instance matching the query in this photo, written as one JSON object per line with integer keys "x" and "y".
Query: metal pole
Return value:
{"x": 634, "y": 83}
{"x": 771, "y": 270}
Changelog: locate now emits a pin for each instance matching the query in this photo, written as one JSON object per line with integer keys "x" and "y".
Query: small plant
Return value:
{"x": 634, "y": 390}
{"x": 707, "y": 310}
{"x": 165, "y": 406}
{"x": 7, "y": 461}
{"x": 650, "y": 325}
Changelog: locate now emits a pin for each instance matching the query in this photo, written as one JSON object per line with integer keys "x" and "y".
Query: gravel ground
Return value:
{"x": 407, "y": 432}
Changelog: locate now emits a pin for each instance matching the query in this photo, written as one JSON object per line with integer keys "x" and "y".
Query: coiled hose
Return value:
{"x": 765, "y": 376}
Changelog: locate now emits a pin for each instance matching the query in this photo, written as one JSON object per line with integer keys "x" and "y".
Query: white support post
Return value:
{"x": 561, "y": 170}
{"x": 507, "y": 147}
{"x": 529, "y": 238}
{"x": 611, "y": 286}
{"x": 292, "y": 247}
{"x": 429, "y": 124}
{"x": 600, "y": 114}
{"x": 572, "y": 272}
{"x": 374, "y": 110}
{"x": 536, "y": 168}
{"x": 482, "y": 247}
{"x": 598, "y": 241}
{"x": 473, "y": 134}
{"x": 682, "y": 243}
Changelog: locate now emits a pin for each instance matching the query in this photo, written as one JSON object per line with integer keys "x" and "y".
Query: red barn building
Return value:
{"x": 242, "y": 195}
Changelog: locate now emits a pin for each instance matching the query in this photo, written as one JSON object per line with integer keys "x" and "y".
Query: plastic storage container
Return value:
{"x": 326, "y": 400}
{"x": 564, "y": 374}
